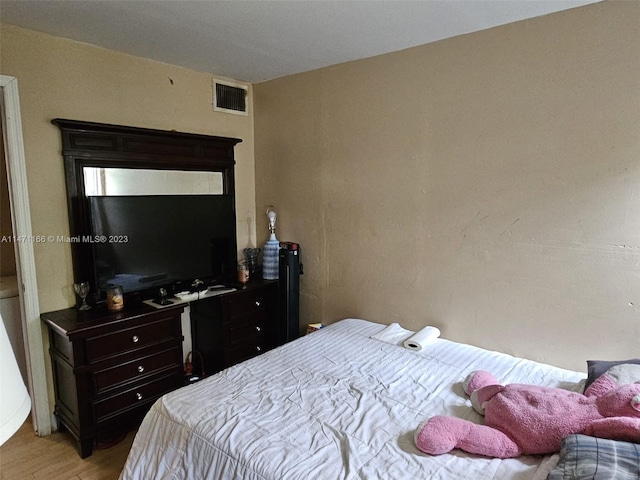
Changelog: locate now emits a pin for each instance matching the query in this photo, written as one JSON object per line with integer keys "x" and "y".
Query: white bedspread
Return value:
{"x": 334, "y": 404}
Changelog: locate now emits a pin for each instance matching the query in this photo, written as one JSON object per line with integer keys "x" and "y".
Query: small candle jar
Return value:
{"x": 243, "y": 273}
{"x": 115, "y": 298}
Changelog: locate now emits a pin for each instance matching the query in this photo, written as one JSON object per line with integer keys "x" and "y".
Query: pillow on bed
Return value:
{"x": 595, "y": 368}
{"x": 583, "y": 457}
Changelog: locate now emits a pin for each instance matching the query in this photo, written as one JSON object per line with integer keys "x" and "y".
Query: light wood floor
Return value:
{"x": 28, "y": 457}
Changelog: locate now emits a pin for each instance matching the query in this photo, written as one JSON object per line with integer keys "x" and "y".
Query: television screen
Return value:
{"x": 147, "y": 241}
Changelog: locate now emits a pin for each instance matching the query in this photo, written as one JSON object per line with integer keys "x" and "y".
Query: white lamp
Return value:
{"x": 271, "y": 215}
{"x": 15, "y": 403}
{"x": 270, "y": 265}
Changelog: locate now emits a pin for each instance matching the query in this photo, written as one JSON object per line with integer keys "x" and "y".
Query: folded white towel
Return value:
{"x": 422, "y": 338}
{"x": 393, "y": 334}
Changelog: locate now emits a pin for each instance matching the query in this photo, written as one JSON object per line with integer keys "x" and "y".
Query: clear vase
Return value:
{"x": 251, "y": 259}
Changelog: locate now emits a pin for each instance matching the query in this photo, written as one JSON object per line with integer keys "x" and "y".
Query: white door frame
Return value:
{"x": 25, "y": 260}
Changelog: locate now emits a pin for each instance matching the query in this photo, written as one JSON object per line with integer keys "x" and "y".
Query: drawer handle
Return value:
{"x": 257, "y": 303}
{"x": 258, "y": 349}
{"x": 258, "y": 329}
{"x": 135, "y": 339}
{"x": 138, "y": 395}
{"x": 140, "y": 369}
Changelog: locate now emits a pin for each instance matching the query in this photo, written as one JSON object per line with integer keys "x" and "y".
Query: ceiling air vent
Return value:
{"x": 229, "y": 98}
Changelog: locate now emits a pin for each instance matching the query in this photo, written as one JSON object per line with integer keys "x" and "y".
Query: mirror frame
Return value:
{"x": 89, "y": 144}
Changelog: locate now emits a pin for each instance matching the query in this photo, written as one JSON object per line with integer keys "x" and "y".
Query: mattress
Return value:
{"x": 335, "y": 404}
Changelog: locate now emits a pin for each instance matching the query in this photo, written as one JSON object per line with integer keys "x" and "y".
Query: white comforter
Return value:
{"x": 334, "y": 404}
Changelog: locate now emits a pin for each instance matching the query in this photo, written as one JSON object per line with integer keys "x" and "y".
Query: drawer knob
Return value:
{"x": 258, "y": 349}
{"x": 135, "y": 339}
{"x": 258, "y": 329}
{"x": 140, "y": 369}
{"x": 138, "y": 395}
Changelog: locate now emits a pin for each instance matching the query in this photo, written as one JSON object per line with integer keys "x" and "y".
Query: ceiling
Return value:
{"x": 258, "y": 40}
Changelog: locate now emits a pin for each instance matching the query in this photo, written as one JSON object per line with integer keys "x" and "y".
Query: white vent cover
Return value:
{"x": 229, "y": 98}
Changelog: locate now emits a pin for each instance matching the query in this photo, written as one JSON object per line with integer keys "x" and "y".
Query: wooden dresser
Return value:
{"x": 234, "y": 327}
{"x": 108, "y": 368}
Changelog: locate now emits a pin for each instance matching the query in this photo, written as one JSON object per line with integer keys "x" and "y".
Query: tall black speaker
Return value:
{"x": 289, "y": 291}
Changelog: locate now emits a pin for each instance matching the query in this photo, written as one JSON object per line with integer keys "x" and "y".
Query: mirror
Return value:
{"x": 104, "y": 159}
{"x": 100, "y": 181}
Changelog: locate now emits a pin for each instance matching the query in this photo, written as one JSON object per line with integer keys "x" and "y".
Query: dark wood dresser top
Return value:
{"x": 71, "y": 321}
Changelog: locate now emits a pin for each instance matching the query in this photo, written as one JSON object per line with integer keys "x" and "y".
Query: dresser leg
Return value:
{"x": 86, "y": 448}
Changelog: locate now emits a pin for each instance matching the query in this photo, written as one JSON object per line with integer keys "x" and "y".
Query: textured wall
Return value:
{"x": 486, "y": 184}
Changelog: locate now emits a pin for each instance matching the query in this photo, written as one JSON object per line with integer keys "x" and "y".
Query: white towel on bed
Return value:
{"x": 393, "y": 334}
{"x": 422, "y": 339}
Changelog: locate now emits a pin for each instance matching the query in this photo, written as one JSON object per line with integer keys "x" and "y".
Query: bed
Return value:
{"x": 334, "y": 404}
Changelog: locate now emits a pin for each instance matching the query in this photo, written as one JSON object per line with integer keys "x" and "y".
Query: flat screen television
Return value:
{"x": 148, "y": 241}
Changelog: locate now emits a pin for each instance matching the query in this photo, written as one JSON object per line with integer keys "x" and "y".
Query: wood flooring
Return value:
{"x": 26, "y": 456}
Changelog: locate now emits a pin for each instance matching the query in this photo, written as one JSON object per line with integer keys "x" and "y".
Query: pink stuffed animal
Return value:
{"x": 527, "y": 419}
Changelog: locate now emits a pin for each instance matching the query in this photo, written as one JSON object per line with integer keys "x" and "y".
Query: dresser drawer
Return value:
{"x": 246, "y": 339}
{"x": 245, "y": 350}
{"x": 137, "y": 369}
{"x": 245, "y": 304}
{"x": 142, "y": 394}
{"x": 253, "y": 326}
{"x": 128, "y": 339}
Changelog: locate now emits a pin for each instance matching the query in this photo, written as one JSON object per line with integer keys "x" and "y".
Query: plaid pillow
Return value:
{"x": 583, "y": 457}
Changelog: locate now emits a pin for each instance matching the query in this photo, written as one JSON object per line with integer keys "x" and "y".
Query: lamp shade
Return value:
{"x": 15, "y": 403}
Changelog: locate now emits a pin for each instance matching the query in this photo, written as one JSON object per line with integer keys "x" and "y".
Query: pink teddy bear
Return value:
{"x": 527, "y": 419}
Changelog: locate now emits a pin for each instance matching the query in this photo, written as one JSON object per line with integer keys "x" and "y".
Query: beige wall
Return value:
{"x": 487, "y": 184}
{"x": 66, "y": 79}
